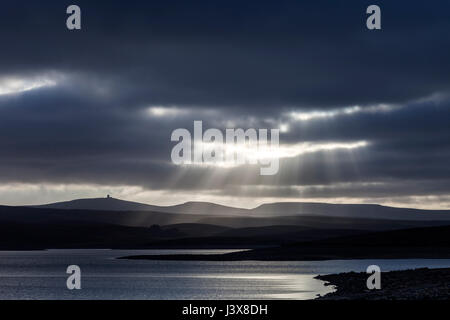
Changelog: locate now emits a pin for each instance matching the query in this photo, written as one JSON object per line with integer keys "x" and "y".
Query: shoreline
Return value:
{"x": 412, "y": 284}
{"x": 266, "y": 254}
{"x": 308, "y": 253}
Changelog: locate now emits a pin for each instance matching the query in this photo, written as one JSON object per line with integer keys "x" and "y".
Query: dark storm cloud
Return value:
{"x": 54, "y": 135}
{"x": 251, "y": 63}
{"x": 251, "y": 56}
{"x": 422, "y": 124}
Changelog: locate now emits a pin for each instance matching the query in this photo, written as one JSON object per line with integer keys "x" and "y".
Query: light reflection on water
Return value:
{"x": 42, "y": 275}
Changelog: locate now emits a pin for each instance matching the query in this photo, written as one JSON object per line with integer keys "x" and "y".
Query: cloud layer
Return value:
{"x": 96, "y": 107}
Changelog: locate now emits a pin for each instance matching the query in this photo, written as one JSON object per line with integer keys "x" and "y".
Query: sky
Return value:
{"x": 364, "y": 115}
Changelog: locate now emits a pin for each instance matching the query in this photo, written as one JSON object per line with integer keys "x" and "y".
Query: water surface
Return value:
{"x": 42, "y": 275}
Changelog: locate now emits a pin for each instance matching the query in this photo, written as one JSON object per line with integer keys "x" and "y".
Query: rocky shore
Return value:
{"x": 417, "y": 284}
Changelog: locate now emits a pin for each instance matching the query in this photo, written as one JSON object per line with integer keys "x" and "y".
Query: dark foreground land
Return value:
{"x": 430, "y": 243}
{"x": 418, "y": 284}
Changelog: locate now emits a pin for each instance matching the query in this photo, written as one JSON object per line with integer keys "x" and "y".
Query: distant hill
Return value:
{"x": 371, "y": 211}
{"x": 42, "y": 228}
{"x": 113, "y": 204}
{"x": 42, "y": 215}
{"x": 103, "y": 204}
{"x": 25, "y": 227}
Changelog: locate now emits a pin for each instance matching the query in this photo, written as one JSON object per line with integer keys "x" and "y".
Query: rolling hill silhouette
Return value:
{"x": 113, "y": 204}
{"x": 371, "y": 211}
{"x": 115, "y": 223}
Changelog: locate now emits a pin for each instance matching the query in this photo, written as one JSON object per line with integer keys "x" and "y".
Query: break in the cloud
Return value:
{"x": 14, "y": 85}
{"x": 364, "y": 116}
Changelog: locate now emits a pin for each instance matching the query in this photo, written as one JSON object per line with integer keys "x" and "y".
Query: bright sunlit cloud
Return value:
{"x": 159, "y": 111}
{"x": 254, "y": 153}
{"x": 14, "y": 85}
{"x": 305, "y": 116}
